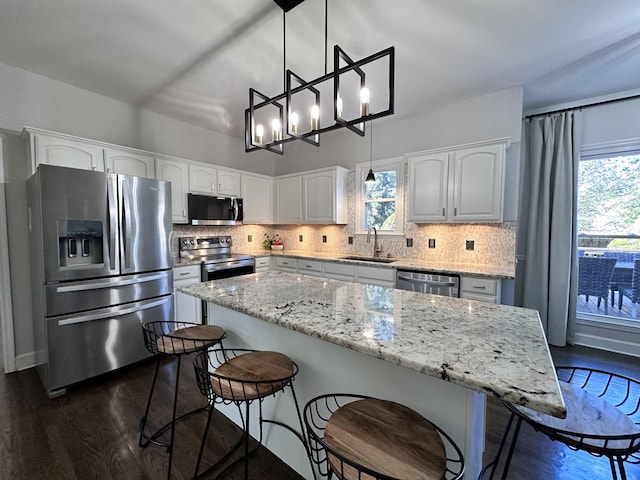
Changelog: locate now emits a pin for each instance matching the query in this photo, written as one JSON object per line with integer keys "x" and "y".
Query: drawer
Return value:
{"x": 263, "y": 262}
{"x": 186, "y": 272}
{"x": 484, "y": 286}
{"x": 305, "y": 265}
{"x": 285, "y": 263}
{"x": 376, "y": 273}
{"x": 340, "y": 269}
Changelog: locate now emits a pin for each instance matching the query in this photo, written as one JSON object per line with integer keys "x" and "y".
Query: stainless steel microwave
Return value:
{"x": 207, "y": 210}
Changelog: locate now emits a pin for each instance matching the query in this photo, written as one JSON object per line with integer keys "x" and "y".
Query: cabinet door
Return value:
{"x": 319, "y": 197}
{"x": 228, "y": 183}
{"x": 203, "y": 179}
{"x": 478, "y": 184}
{"x": 288, "y": 200}
{"x": 257, "y": 195}
{"x": 178, "y": 174}
{"x": 428, "y": 186}
{"x": 127, "y": 163}
{"x": 67, "y": 153}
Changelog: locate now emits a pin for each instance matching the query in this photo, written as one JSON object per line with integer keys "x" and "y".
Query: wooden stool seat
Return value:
{"x": 357, "y": 437}
{"x": 190, "y": 339}
{"x": 386, "y": 437}
{"x": 252, "y": 375}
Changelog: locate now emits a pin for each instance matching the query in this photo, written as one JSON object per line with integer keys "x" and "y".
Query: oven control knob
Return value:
{"x": 193, "y": 242}
{"x": 223, "y": 240}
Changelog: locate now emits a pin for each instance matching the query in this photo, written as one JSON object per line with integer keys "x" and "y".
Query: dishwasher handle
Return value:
{"x": 433, "y": 283}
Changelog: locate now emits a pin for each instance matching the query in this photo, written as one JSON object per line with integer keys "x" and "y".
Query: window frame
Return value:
{"x": 393, "y": 163}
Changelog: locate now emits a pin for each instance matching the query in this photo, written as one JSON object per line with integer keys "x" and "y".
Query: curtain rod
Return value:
{"x": 580, "y": 107}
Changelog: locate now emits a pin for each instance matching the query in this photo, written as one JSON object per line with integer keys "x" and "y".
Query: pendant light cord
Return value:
{"x": 326, "y": 28}
{"x": 371, "y": 146}
{"x": 284, "y": 50}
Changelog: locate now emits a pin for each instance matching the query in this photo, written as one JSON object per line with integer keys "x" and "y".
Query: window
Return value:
{"x": 609, "y": 227}
{"x": 381, "y": 205}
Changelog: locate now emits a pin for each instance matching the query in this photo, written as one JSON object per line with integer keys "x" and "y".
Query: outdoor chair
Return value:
{"x": 594, "y": 277}
{"x": 632, "y": 290}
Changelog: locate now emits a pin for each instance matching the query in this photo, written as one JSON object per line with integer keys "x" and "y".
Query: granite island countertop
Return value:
{"x": 494, "y": 349}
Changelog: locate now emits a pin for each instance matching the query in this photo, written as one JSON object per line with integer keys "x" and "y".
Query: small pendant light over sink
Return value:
{"x": 371, "y": 178}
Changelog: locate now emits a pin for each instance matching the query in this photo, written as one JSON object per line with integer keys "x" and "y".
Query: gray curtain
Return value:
{"x": 546, "y": 276}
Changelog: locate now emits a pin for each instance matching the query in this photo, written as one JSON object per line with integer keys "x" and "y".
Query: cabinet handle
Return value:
{"x": 443, "y": 212}
{"x": 184, "y": 273}
{"x": 213, "y": 187}
{"x": 219, "y": 186}
{"x": 479, "y": 286}
{"x": 285, "y": 263}
{"x": 184, "y": 213}
{"x": 455, "y": 211}
{"x": 308, "y": 266}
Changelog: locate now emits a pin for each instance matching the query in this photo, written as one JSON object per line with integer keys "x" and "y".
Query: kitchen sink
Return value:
{"x": 370, "y": 259}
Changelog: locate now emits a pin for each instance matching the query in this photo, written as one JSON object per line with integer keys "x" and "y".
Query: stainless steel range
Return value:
{"x": 217, "y": 259}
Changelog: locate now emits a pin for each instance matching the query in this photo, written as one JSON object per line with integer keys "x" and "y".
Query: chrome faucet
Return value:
{"x": 377, "y": 250}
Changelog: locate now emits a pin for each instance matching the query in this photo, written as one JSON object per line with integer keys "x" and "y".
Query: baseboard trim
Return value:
{"x": 27, "y": 360}
{"x": 602, "y": 336}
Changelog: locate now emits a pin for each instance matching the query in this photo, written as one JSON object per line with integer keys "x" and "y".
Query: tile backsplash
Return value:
{"x": 493, "y": 243}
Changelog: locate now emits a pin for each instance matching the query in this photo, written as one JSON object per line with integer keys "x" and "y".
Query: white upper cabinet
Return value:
{"x": 257, "y": 195}
{"x": 287, "y": 202}
{"x": 463, "y": 184}
{"x": 428, "y": 177}
{"x": 64, "y": 151}
{"x": 203, "y": 179}
{"x": 210, "y": 180}
{"x": 177, "y": 173}
{"x": 228, "y": 182}
{"x": 129, "y": 163}
{"x": 324, "y": 196}
{"x": 317, "y": 196}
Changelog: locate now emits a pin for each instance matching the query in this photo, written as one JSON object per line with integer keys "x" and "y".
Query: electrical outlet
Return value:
{"x": 432, "y": 243}
{"x": 409, "y": 242}
{"x": 350, "y": 240}
{"x": 324, "y": 239}
{"x": 470, "y": 244}
{"x": 249, "y": 238}
{"x": 300, "y": 238}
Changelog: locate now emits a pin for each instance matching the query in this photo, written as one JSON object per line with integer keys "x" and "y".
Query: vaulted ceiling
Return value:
{"x": 196, "y": 59}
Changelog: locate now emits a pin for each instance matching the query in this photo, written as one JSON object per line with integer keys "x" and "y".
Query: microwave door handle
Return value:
{"x": 112, "y": 217}
{"x": 126, "y": 222}
{"x": 235, "y": 208}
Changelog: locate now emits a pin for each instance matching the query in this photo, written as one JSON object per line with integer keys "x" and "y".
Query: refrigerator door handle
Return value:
{"x": 109, "y": 283}
{"x": 126, "y": 222}
{"x": 113, "y": 312}
{"x": 112, "y": 221}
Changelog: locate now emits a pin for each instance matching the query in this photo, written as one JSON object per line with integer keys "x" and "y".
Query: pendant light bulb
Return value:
{"x": 259, "y": 133}
{"x": 364, "y": 101}
{"x": 294, "y": 122}
{"x": 339, "y": 106}
{"x": 315, "y": 117}
{"x": 275, "y": 125}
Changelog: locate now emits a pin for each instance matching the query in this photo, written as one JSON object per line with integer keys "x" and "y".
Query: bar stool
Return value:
{"x": 361, "y": 437}
{"x": 241, "y": 376}
{"x": 169, "y": 338}
{"x": 603, "y": 419}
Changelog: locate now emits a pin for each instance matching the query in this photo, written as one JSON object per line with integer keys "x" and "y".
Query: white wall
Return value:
{"x": 611, "y": 122}
{"x": 30, "y": 99}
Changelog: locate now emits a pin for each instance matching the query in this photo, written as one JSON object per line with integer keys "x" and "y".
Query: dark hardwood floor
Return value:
{"x": 92, "y": 431}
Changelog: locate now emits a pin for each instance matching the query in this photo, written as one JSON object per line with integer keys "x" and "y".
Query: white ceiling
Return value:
{"x": 196, "y": 59}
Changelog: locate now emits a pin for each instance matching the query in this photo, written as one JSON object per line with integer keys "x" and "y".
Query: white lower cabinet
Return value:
{"x": 263, "y": 264}
{"x": 187, "y": 308}
{"x": 484, "y": 289}
{"x": 381, "y": 276}
{"x": 285, "y": 264}
{"x": 310, "y": 267}
{"x": 340, "y": 271}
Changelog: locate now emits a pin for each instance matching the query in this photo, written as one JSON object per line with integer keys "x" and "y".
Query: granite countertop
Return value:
{"x": 494, "y": 349}
{"x": 496, "y": 271}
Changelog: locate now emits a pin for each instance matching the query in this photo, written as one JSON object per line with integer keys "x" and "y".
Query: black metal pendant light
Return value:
{"x": 290, "y": 123}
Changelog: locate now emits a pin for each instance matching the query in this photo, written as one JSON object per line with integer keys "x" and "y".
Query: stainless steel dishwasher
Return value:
{"x": 427, "y": 282}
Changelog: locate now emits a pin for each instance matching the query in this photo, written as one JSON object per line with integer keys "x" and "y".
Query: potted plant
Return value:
{"x": 272, "y": 242}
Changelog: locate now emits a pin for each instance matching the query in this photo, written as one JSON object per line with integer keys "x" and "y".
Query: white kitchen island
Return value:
{"x": 437, "y": 355}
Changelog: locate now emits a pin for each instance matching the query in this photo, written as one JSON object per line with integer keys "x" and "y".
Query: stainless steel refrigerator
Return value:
{"x": 101, "y": 266}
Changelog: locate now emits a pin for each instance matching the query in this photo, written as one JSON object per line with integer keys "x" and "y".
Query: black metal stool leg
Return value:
{"x": 173, "y": 417}
{"x": 144, "y": 440}
{"x": 512, "y": 447}
{"x": 204, "y": 439}
{"x": 246, "y": 441}
{"x": 305, "y": 440}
